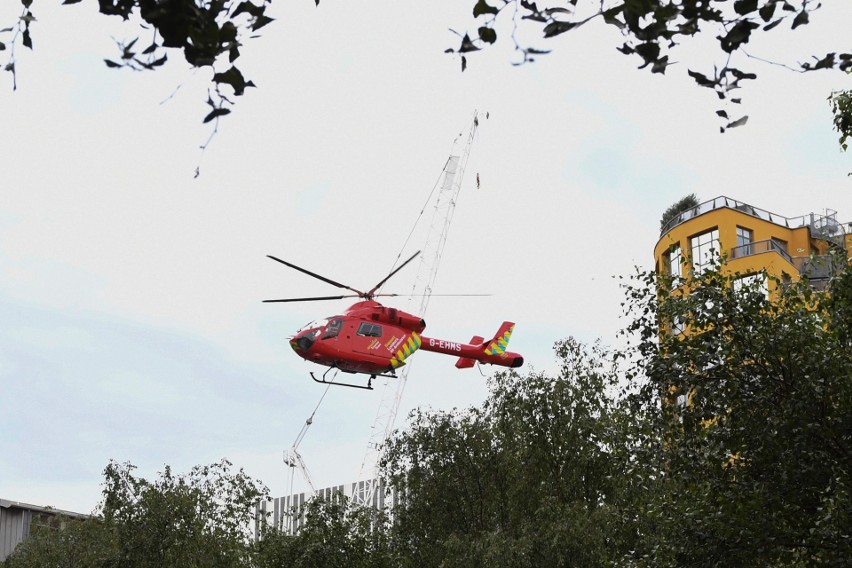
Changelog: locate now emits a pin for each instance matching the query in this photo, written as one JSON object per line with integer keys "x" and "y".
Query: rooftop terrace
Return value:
{"x": 822, "y": 226}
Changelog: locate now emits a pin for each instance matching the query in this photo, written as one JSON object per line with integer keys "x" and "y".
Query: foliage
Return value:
{"x": 758, "y": 448}
{"x": 727, "y": 445}
{"x": 337, "y": 532}
{"x": 841, "y": 107}
{"x": 653, "y": 30}
{"x": 208, "y": 33}
{"x": 677, "y": 208}
{"x": 82, "y": 543}
{"x": 535, "y": 477}
{"x": 198, "y": 519}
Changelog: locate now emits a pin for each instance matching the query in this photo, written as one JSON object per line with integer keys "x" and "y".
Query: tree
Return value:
{"x": 654, "y": 29}
{"x": 209, "y": 33}
{"x": 198, "y": 519}
{"x": 730, "y": 444}
{"x": 677, "y": 208}
{"x": 537, "y": 476}
{"x": 337, "y": 532}
{"x": 726, "y": 443}
{"x": 756, "y": 400}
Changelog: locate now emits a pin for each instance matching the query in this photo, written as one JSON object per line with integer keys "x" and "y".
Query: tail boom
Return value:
{"x": 492, "y": 351}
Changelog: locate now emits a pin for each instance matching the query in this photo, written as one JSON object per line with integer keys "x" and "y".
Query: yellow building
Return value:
{"x": 752, "y": 240}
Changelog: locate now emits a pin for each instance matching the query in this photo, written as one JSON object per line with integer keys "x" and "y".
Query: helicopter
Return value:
{"x": 375, "y": 340}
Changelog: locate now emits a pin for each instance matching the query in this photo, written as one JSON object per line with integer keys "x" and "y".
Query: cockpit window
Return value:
{"x": 314, "y": 324}
{"x": 333, "y": 329}
{"x": 370, "y": 329}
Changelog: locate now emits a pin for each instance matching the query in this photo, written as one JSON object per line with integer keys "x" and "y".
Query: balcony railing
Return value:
{"x": 815, "y": 268}
{"x": 760, "y": 247}
{"x": 823, "y": 226}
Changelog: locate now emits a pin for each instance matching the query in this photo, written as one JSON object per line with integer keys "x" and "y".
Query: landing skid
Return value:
{"x": 369, "y": 386}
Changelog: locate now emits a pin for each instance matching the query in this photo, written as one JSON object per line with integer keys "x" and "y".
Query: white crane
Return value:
{"x": 443, "y": 208}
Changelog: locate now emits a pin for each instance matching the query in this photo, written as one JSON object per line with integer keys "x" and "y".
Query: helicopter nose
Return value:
{"x": 302, "y": 343}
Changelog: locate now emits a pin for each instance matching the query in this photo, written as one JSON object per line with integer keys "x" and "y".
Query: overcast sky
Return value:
{"x": 131, "y": 322}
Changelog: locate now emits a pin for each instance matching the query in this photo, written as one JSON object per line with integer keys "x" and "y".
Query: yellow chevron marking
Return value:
{"x": 498, "y": 347}
{"x": 408, "y": 348}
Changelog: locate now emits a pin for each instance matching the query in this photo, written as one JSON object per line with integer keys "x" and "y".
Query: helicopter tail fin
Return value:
{"x": 497, "y": 346}
{"x": 494, "y": 351}
{"x": 465, "y": 362}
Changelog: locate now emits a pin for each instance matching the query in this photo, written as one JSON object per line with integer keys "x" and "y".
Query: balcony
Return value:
{"x": 817, "y": 269}
{"x": 759, "y": 247}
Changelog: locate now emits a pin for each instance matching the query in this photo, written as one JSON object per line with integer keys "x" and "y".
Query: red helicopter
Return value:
{"x": 375, "y": 340}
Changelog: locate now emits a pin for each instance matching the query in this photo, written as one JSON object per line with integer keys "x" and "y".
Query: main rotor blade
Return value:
{"x": 317, "y": 276}
{"x": 423, "y": 295}
{"x": 400, "y": 267}
{"x": 314, "y": 299}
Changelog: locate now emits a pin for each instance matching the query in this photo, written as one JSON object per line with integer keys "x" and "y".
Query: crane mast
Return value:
{"x": 443, "y": 209}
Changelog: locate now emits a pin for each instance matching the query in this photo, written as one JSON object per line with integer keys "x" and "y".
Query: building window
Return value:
{"x": 675, "y": 261}
{"x": 744, "y": 238}
{"x": 705, "y": 251}
{"x": 752, "y": 282}
{"x": 678, "y": 325}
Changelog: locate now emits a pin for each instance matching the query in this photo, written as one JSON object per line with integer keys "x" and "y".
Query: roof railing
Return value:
{"x": 820, "y": 224}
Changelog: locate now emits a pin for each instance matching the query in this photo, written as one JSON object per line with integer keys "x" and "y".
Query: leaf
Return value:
{"x": 216, "y": 113}
{"x": 649, "y": 51}
{"x": 158, "y": 62}
{"x": 482, "y": 7}
{"x": 150, "y": 49}
{"x": 660, "y": 65}
{"x": 27, "y": 3}
{"x": 722, "y": 113}
{"x": 555, "y": 28}
{"x": 488, "y": 35}
{"x": 70, "y": 2}
{"x": 112, "y": 64}
{"x": 739, "y": 74}
{"x": 738, "y": 122}
{"x": 126, "y": 52}
{"x": 467, "y": 45}
{"x": 27, "y": 41}
{"x": 768, "y": 27}
{"x": 738, "y": 35}
{"x": 234, "y": 78}
{"x": 247, "y": 7}
{"x": 743, "y": 7}
{"x": 801, "y": 19}
{"x": 261, "y": 21}
{"x": 701, "y": 79}
{"x": 611, "y": 16}
{"x": 2, "y": 46}
{"x": 767, "y": 11}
